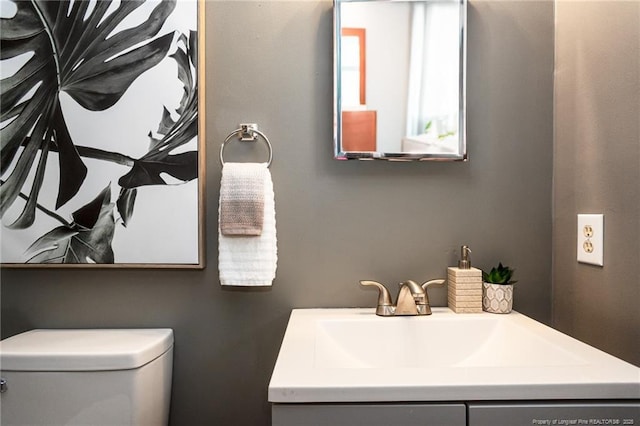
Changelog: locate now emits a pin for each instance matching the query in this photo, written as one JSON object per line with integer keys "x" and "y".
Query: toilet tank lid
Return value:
{"x": 84, "y": 350}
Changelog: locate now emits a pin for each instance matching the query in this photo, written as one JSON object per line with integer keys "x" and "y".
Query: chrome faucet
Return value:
{"x": 412, "y": 298}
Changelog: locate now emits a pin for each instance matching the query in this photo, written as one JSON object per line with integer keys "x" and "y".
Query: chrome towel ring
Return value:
{"x": 247, "y": 133}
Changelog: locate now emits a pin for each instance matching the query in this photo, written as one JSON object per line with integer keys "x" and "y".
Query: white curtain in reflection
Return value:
{"x": 434, "y": 67}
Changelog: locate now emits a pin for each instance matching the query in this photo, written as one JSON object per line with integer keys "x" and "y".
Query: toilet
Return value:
{"x": 86, "y": 377}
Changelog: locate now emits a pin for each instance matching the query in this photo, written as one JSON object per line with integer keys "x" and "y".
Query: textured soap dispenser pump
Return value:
{"x": 464, "y": 285}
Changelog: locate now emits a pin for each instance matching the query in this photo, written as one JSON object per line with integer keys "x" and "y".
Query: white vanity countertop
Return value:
{"x": 352, "y": 355}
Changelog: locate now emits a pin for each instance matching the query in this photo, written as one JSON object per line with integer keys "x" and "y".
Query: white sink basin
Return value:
{"x": 444, "y": 341}
{"x": 351, "y": 355}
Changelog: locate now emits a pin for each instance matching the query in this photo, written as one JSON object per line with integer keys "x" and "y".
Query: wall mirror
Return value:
{"x": 399, "y": 79}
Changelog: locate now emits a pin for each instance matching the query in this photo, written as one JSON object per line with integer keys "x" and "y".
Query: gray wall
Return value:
{"x": 338, "y": 222}
{"x": 597, "y": 170}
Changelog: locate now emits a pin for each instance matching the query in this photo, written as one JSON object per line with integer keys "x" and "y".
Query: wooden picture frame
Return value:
{"x": 103, "y": 135}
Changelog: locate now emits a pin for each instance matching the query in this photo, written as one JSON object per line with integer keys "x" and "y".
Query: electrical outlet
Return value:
{"x": 591, "y": 239}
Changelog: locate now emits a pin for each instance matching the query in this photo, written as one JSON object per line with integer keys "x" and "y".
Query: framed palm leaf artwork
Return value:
{"x": 102, "y": 109}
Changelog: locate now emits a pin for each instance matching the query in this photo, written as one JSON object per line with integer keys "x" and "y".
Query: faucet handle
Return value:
{"x": 437, "y": 282}
{"x": 385, "y": 305}
{"x": 425, "y": 286}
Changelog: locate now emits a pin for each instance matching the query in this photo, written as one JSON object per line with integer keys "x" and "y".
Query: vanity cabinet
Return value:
{"x": 514, "y": 413}
{"x": 333, "y": 369}
{"x": 367, "y": 414}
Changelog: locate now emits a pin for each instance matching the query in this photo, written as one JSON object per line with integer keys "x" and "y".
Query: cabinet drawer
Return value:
{"x": 369, "y": 414}
{"x": 579, "y": 413}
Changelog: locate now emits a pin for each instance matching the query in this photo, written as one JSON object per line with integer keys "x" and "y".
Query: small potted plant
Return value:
{"x": 497, "y": 290}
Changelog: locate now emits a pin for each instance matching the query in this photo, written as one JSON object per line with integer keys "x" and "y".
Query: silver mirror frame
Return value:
{"x": 340, "y": 154}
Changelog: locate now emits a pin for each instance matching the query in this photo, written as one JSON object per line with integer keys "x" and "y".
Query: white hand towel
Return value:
{"x": 250, "y": 260}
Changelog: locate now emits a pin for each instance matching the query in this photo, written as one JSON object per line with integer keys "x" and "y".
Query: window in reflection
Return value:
{"x": 353, "y": 67}
{"x": 433, "y": 87}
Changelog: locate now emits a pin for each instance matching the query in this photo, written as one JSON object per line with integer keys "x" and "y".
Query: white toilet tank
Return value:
{"x": 86, "y": 377}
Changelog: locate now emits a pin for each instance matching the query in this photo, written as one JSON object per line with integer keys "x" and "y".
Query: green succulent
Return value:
{"x": 500, "y": 275}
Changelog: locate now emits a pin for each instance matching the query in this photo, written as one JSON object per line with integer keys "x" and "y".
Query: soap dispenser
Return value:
{"x": 464, "y": 285}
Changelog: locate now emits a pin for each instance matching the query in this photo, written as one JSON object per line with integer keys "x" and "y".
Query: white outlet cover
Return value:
{"x": 591, "y": 242}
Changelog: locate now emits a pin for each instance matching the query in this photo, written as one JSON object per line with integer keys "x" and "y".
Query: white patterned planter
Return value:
{"x": 497, "y": 298}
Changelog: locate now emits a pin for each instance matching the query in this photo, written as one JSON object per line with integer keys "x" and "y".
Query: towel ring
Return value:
{"x": 247, "y": 133}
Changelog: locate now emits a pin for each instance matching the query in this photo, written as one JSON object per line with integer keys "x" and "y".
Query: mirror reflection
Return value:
{"x": 399, "y": 83}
